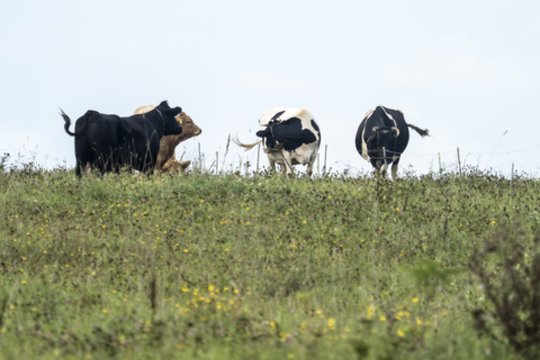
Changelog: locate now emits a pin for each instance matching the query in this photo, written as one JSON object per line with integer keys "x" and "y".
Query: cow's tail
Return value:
{"x": 83, "y": 120}
{"x": 245, "y": 146}
{"x": 422, "y": 132}
{"x": 67, "y": 123}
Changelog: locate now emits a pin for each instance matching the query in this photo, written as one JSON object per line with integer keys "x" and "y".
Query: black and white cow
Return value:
{"x": 290, "y": 137}
{"x": 109, "y": 142}
{"x": 382, "y": 137}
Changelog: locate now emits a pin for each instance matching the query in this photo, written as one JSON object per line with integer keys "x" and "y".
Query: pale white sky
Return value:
{"x": 467, "y": 70}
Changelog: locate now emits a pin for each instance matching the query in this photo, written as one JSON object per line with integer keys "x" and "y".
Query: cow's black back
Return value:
{"x": 377, "y": 135}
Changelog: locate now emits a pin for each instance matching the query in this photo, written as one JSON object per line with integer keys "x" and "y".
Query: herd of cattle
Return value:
{"x": 146, "y": 141}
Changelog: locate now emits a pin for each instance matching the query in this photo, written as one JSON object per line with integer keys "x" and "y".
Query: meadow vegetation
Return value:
{"x": 231, "y": 267}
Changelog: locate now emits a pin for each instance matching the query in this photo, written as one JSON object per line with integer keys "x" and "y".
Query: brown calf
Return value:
{"x": 166, "y": 160}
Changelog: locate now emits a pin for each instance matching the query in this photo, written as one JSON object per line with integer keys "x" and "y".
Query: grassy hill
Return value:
{"x": 242, "y": 268}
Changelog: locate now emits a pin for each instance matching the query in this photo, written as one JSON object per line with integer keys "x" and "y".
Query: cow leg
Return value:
{"x": 283, "y": 168}
{"x": 78, "y": 169}
{"x": 394, "y": 169}
{"x": 382, "y": 171}
{"x": 159, "y": 162}
{"x": 309, "y": 170}
{"x": 272, "y": 166}
{"x": 311, "y": 163}
{"x": 287, "y": 163}
{"x": 384, "y": 167}
{"x": 88, "y": 169}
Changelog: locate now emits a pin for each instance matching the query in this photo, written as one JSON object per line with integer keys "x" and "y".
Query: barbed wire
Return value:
{"x": 450, "y": 152}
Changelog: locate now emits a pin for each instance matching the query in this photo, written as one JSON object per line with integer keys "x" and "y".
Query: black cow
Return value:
{"x": 109, "y": 142}
{"x": 382, "y": 137}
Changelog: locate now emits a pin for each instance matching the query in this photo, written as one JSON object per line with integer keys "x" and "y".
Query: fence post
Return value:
{"x": 459, "y": 161}
{"x": 512, "y": 174}
{"x": 440, "y": 164}
{"x": 325, "y": 157}
{"x": 217, "y": 162}
{"x": 200, "y": 158}
{"x": 258, "y": 156}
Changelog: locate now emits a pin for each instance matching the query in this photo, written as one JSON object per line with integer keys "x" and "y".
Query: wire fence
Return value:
{"x": 447, "y": 160}
{"x": 337, "y": 160}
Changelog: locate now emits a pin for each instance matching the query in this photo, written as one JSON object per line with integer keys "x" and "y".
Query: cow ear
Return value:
{"x": 176, "y": 110}
{"x": 164, "y": 105}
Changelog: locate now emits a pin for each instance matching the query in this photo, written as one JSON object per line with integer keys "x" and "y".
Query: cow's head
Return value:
{"x": 189, "y": 128}
{"x": 168, "y": 114}
{"x": 266, "y": 134}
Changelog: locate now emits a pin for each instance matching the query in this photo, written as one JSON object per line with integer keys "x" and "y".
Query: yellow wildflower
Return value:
{"x": 370, "y": 312}
{"x": 331, "y": 324}
{"x": 284, "y": 336}
{"x": 402, "y": 314}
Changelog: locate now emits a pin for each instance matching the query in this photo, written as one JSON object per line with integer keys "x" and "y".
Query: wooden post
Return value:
{"x": 512, "y": 174}
{"x": 325, "y": 157}
{"x": 258, "y": 156}
{"x": 440, "y": 164}
{"x": 217, "y": 161}
{"x": 200, "y": 157}
{"x": 459, "y": 161}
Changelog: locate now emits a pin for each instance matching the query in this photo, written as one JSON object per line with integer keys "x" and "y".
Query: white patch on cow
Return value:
{"x": 389, "y": 116}
{"x": 364, "y": 146}
{"x": 364, "y": 151}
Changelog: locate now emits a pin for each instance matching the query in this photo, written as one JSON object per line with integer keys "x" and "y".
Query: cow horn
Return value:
{"x": 394, "y": 128}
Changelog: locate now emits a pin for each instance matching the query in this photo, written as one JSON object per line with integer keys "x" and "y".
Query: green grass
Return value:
{"x": 245, "y": 268}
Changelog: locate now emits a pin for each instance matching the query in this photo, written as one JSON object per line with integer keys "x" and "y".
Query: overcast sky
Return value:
{"x": 469, "y": 71}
